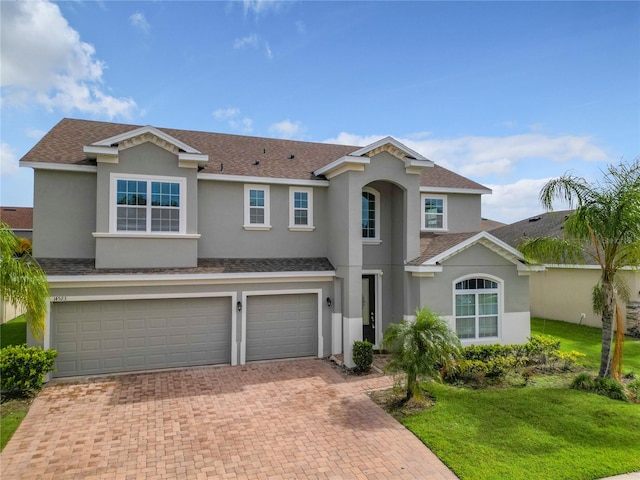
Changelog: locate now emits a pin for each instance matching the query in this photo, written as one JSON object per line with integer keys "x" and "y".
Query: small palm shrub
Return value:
{"x": 362, "y": 355}
{"x": 22, "y": 369}
{"x": 420, "y": 349}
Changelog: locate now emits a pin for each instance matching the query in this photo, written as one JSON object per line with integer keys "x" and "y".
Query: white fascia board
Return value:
{"x": 424, "y": 268}
{"x": 60, "y": 166}
{"x": 262, "y": 180}
{"x": 193, "y": 157}
{"x": 341, "y": 162}
{"x": 100, "y": 150}
{"x": 143, "y": 130}
{"x": 475, "y": 191}
{"x": 395, "y": 143}
{"x": 60, "y": 281}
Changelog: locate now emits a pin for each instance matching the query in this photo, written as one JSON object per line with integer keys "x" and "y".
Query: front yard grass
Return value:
{"x": 529, "y": 433}
{"x": 14, "y": 332}
{"x": 587, "y": 340}
{"x": 544, "y": 430}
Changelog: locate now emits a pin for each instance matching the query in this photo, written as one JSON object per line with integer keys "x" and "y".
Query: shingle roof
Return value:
{"x": 18, "y": 218}
{"x": 86, "y": 266}
{"x": 64, "y": 143}
{"x": 548, "y": 224}
{"x": 432, "y": 244}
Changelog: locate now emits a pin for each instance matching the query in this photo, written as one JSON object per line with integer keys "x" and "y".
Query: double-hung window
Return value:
{"x": 300, "y": 209}
{"x": 434, "y": 212}
{"x": 370, "y": 215}
{"x": 477, "y": 308}
{"x": 256, "y": 207}
{"x": 152, "y": 205}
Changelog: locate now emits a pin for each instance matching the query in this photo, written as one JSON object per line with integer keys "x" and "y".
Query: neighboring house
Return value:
{"x": 170, "y": 248}
{"x": 20, "y": 219}
{"x": 563, "y": 292}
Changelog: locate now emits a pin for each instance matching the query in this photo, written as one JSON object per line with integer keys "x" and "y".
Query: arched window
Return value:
{"x": 477, "y": 308}
{"x": 370, "y": 214}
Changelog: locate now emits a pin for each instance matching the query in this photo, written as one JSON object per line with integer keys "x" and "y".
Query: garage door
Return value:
{"x": 282, "y": 326}
{"x": 120, "y": 336}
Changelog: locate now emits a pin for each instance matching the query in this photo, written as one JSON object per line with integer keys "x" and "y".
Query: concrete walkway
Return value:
{"x": 277, "y": 420}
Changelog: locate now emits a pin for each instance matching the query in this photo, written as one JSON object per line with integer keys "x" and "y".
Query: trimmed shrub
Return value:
{"x": 362, "y": 355}
{"x": 22, "y": 369}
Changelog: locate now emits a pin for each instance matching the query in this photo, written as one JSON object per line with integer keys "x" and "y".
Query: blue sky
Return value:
{"x": 509, "y": 94}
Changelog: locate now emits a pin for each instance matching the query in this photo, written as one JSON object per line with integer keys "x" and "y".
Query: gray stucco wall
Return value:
{"x": 221, "y": 219}
{"x": 64, "y": 214}
{"x": 464, "y": 212}
{"x": 145, "y": 159}
{"x": 436, "y": 292}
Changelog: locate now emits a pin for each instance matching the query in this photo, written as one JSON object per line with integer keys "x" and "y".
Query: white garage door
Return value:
{"x": 128, "y": 335}
{"x": 282, "y": 326}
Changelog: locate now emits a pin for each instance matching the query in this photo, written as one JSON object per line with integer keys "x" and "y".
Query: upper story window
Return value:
{"x": 256, "y": 207}
{"x": 370, "y": 214}
{"x": 148, "y": 204}
{"x": 477, "y": 308}
{"x": 300, "y": 209}
{"x": 434, "y": 212}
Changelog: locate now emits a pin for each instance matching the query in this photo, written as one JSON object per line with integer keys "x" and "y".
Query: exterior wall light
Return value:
{"x": 239, "y": 306}
{"x": 329, "y": 302}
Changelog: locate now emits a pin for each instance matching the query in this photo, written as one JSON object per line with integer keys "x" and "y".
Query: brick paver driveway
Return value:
{"x": 290, "y": 420}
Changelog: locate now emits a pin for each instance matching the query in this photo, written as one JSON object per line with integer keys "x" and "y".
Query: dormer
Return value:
{"x": 107, "y": 150}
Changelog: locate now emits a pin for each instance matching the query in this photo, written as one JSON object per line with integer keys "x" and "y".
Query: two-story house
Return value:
{"x": 171, "y": 248}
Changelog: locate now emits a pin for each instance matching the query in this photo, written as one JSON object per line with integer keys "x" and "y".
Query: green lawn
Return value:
{"x": 529, "y": 433}
{"x": 14, "y": 332}
{"x": 587, "y": 340}
{"x": 543, "y": 431}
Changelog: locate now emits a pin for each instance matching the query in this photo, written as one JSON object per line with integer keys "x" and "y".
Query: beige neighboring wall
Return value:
{"x": 565, "y": 293}
{"x": 9, "y": 312}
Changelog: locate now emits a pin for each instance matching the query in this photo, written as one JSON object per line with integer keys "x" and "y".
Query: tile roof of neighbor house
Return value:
{"x": 18, "y": 218}
{"x": 228, "y": 154}
{"x": 86, "y": 266}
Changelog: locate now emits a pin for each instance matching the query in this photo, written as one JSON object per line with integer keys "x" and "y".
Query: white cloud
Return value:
{"x": 226, "y": 113}
{"x": 301, "y": 27}
{"x": 233, "y": 118}
{"x": 244, "y": 42}
{"x": 483, "y": 156}
{"x": 512, "y": 202}
{"x": 44, "y": 61}
{"x": 35, "y": 133}
{"x": 139, "y": 21}
{"x": 8, "y": 160}
{"x": 287, "y": 129}
{"x": 259, "y": 7}
{"x": 267, "y": 51}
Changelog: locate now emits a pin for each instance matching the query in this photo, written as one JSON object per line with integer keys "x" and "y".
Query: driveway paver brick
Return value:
{"x": 278, "y": 420}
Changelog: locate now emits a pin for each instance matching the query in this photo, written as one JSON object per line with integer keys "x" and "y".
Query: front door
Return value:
{"x": 369, "y": 308}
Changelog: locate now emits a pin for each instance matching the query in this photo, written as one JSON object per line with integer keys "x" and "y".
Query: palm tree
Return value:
{"x": 420, "y": 349}
{"x": 605, "y": 228}
{"x": 22, "y": 281}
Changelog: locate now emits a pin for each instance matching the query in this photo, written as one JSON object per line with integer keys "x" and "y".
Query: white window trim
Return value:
{"x": 309, "y": 227}
{"x": 113, "y": 206}
{"x": 500, "y": 283}
{"x": 423, "y": 226}
{"x": 267, "y": 208}
{"x": 376, "y": 239}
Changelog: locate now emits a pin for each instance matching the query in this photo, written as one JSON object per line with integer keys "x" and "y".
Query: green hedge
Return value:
{"x": 362, "y": 355}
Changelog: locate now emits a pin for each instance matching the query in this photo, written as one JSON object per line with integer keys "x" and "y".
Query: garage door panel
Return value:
{"x": 115, "y": 336}
{"x": 281, "y": 326}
